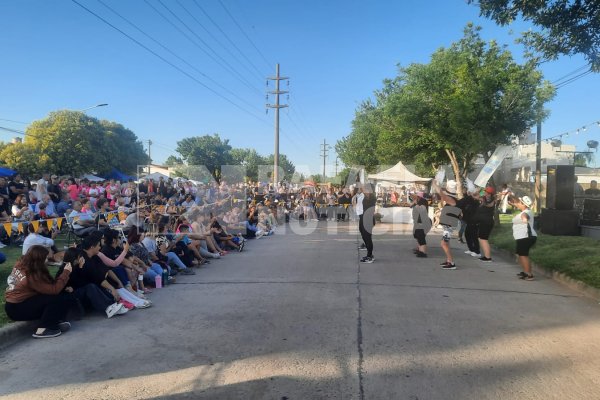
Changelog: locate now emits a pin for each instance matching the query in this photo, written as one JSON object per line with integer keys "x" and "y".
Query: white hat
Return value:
{"x": 451, "y": 186}
{"x": 526, "y": 200}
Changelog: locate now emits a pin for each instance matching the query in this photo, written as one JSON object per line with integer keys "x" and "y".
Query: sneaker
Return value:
{"x": 126, "y": 304}
{"x": 521, "y": 275}
{"x": 469, "y": 252}
{"x": 475, "y": 255}
{"x": 415, "y": 251}
{"x": 241, "y": 246}
{"x": 485, "y": 259}
{"x": 187, "y": 271}
{"x": 449, "y": 265}
{"x": 367, "y": 260}
{"x": 420, "y": 254}
{"x": 122, "y": 310}
{"x": 64, "y": 326}
{"x": 2, "y": 245}
{"x": 171, "y": 280}
{"x": 145, "y": 304}
{"x": 48, "y": 333}
{"x": 526, "y": 277}
{"x": 112, "y": 310}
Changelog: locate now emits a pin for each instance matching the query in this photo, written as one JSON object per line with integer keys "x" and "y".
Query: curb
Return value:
{"x": 14, "y": 332}
{"x": 559, "y": 277}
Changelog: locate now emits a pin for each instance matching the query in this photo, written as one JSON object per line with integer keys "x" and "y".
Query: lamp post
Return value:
{"x": 97, "y": 105}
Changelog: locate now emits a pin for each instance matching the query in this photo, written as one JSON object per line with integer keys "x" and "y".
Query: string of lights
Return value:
{"x": 582, "y": 129}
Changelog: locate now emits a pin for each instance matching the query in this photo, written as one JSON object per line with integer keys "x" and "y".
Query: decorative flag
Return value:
{"x": 59, "y": 222}
{"x": 122, "y": 216}
{"x": 49, "y": 224}
{"x": 20, "y": 228}
{"x": 36, "y": 225}
{"x": 8, "y": 228}
{"x": 492, "y": 164}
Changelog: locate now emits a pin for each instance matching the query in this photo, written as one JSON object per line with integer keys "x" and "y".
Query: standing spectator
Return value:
{"x": 524, "y": 235}
{"x": 593, "y": 189}
{"x": 54, "y": 189}
{"x": 504, "y": 194}
{"x": 16, "y": 187}
{"x": 33, "y": 294}
{"x": 73, "y": 189}
{"x": 5, "y": 193}
{"x": 41, "y": 187}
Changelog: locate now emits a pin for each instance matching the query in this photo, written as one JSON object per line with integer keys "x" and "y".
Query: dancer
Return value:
{"x": 365, "y": 209}
{"x": 524, "y": 234}
{"x": 448, "y": 219}
{"x": 421, "y": 223}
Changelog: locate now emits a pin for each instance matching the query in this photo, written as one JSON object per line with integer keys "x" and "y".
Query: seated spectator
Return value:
{"x": 35, "y": 239}
{"x": 20, "y": 209}
{"x": 136, "y": 219}
{"x": 153, "y": 270}
{"x": 45, "y": 208}
{"x": 593, "y": 189}
{"x": 4, "y": 216}
{"x": 83, "y": 222}
{"x": 32, "y": 294}
{"x": 63, "y": 205}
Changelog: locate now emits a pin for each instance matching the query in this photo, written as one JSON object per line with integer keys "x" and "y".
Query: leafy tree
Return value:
{"x": 468, "y": 99}
{"x": 70, "y": 142}
{"x": 250, "y": 159}
{"x": 173, "y": 161}
{"x": 359, "y": 147}
{"x": 567, "y": 27}
{"x": 288, "y": 167}
{"x": 208, "y": 150}
{"x": 583, "y": 159}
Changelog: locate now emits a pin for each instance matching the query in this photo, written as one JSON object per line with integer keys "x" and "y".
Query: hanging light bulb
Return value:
{"x": 567, "y": 134}
{"x": 577, "y": 132}
{"x": 584, "y": 128}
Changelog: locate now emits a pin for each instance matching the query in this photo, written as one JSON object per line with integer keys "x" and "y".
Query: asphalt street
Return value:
{"x": 296, "y": 316}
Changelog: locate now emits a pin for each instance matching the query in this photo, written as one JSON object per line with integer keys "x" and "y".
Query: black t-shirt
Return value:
{"x": 469, "y": 207}
{"x": 54, "y": 192}
{"x": 16, "y": 185}
{"x": 592, "y": 192}
{"x": 486, "y": 213}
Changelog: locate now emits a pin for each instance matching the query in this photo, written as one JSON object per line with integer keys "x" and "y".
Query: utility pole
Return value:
{"x": 336, "y": 165}
{"x": 324, "y": 149}
{"x": 149, "y": 158}
{"x": 276, "y": 106}
{"x": 538, "y": 168}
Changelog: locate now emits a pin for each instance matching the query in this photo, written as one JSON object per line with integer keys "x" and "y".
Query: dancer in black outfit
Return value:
{"x": 365, "y": 209}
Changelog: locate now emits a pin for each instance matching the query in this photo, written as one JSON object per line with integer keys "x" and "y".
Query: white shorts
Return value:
{"x": 448, "y": 231}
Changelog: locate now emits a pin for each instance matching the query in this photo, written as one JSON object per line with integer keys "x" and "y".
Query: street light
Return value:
{"x": 97, "y": 105}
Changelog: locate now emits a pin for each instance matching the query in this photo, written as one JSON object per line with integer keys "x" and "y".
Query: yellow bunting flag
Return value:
{"x": 49, "y": 224}
{"x": 36, "y": 225}
{"x": 110, "y": 216}
{"x": 8, "y": 229}
{"x": 122, "y": 216}
{"x": 20, "y": 228}
{"x": 59, "y": 222}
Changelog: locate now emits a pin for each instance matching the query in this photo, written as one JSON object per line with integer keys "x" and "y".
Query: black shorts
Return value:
{"x": 419, "y": 234}
{"x": 485, "y": 228}
{"x": 523, "y": 245}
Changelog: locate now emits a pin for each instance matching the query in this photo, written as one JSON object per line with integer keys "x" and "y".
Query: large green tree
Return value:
{"x": 250, "y": 160}
{"x": 284, "y": 163}
{"x": 470, "y": 98}
{"x": 567, "y": 26}
{"x": 209, "y": 150}
{"x": 72, "y": 143}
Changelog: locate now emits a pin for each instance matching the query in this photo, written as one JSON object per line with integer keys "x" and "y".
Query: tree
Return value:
{"x": 288, "y": 167}
{"x": 206, "y": 150}
{"x": 567, "y": 27}
{"x": 72, "y": 143}
{"x": 173, "y": 161}
{"x": 467, "y": 100}
{"x": 250, "y": 160}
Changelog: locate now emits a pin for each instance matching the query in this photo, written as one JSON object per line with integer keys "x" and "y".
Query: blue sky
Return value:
{"x": 55, "y": 55}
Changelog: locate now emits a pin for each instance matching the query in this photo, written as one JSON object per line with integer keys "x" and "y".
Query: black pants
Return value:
{"x": 93, "y": 296}
{"x": 366, "y": 232}
{"x": 49, "y": 309}
{"x": 471, "y": 237}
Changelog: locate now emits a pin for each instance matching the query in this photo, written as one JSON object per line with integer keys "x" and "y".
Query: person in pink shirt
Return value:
{"x": 73, "y": 189}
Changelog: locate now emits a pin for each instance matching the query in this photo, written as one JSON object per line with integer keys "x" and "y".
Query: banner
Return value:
{"x": 492, "y": 164}
{"x": 36, "y": 225}
{"x": 8, "y": 228}
{"x": 59, "y": 223}
{"x": 49, "y": 224}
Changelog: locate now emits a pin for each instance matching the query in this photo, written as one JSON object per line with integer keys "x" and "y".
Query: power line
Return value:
{"x": 573, "y": 79}
{"x": 556, "y": 81}
{"x": 223, "y": 63}
{"x": 228, "y": 39}
{"x": 178, "y": 57}
{"x": 16, "y": 122}
{"x": 244, "y": 33}
{"x": 219, "y": 42}
{"x": 167, "y": 61}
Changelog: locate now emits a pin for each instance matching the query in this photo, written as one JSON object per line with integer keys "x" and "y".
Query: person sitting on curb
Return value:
{"x": 33, "y": 294}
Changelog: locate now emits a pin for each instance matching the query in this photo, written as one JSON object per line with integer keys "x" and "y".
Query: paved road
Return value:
{"x": 296, "y": 317}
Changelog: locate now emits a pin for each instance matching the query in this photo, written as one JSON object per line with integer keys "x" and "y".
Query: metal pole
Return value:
{"x": 149, "y": 157}
{"x": 324, "y": 158}
{"x": 538, "y": 168}
{"x": 276, "y": 154}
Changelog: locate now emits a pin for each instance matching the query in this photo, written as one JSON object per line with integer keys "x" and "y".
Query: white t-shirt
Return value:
{"x": 150, "y": 244}
{"x": 34, "y": 239}
{"x": 359, "y": 203}
{"x": 522, "y": 229}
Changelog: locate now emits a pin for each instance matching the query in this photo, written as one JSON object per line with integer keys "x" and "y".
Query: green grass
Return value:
{"x": 576, "y": 256}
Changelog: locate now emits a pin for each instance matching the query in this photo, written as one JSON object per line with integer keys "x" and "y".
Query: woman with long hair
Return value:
{"x": 33, "y": 294}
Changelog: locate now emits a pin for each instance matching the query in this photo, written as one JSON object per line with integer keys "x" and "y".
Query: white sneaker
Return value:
{"x": 468, "y": 252}
{"x": 112, "y": 309}
{"x": 122, "y": 309}
{"x": 475, "y": 255}
{"x": 2, "y": 245}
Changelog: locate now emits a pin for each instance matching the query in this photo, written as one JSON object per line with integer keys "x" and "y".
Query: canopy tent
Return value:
{"x": 119, "y": 176}
{"x": 398, "y": 174}
{"x": 5, "y": 172}
{"x": 92, "y": 178}
{"x": 155, "y": 176}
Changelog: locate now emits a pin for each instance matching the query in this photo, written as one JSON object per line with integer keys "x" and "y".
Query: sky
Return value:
{"x": 211, "y": 63}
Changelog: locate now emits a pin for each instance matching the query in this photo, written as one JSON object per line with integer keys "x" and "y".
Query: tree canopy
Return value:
{"x": 470, "y": 98}
{"x": 567, "y": 27}
{"x": 72, "y": 143}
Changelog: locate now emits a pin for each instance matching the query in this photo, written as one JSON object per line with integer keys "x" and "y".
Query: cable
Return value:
{"x": 180, "y": 58}
{"x": 247, "y": 37}
{"x": 556, "y": 81}
{"x": 16, "y": 122}
{"x": 228, "y": 39}
{"x": 259, "y": 76}
{"x": 573, "y": 79}
{"x": 167, "y": 61}
{"x": 224, "y": 63}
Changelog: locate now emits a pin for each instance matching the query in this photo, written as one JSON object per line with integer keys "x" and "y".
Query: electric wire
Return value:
{"x": 229, "y": 39}
{"x": 557, "y": 81}
{"x": 12, "y": 120}
{"x": 244, "y": 33}
{"x": 223, "y": 63}
{"x": 573, "y": 79}
{"x": 178, "y": 57}
{"x": 168, "y": 62}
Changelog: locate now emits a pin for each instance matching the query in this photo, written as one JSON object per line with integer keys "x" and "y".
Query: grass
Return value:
{"x": 576, "y": 256}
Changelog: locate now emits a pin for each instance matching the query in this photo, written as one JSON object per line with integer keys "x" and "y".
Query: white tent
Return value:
{"x": 155, "y": 176}
{"x": 398, "y": 174}
{"x": 92, "y": 178}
